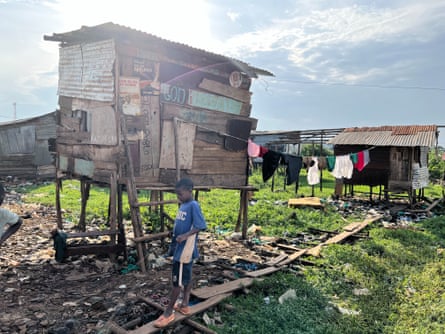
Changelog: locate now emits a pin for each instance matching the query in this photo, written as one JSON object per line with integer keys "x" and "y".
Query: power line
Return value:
{"x": 357, "y": 85}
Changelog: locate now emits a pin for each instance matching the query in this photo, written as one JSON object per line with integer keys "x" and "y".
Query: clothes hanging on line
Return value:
{"x": 294, "y": 164}
{"x": 362, "y": 161}
{"x": 330, "y": 162}
{"x": 255, "y": 150}
{"x": 313, "y": 172}
{"x": 271, "y": 161}
{"x": 343, "y": 167}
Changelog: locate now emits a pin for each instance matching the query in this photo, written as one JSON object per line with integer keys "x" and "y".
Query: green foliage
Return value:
{"x": 422, "y": 306}
{"x": 315, "y": 150}
{"x": 253, "y": 315}
{"x": 401, "y": 271}
{"x": 436, "y": 166}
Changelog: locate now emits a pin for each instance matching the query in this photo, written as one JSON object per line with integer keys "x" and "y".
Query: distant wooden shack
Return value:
{"x": 141, "y": 111}
{"x": 398, "y": 156}
{"x": 27, "y": 148}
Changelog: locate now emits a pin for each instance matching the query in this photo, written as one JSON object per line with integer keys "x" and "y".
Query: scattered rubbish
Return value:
{"x": 288, "y": 295}
{"x": 361, "y": 292}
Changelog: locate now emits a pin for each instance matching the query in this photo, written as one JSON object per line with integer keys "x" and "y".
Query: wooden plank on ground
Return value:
{"x": 351, "y": 229}
{"x": 305, "y": 201}
{"x": 262, "y": 272}
{"x": 197, "y": 308}
{"x": 210, "y": 291}
{"x": 291, "y": 258}
{"x": 276, "y": 259}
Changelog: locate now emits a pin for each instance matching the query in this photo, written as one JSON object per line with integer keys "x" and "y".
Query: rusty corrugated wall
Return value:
{"x": 86, "y": 71}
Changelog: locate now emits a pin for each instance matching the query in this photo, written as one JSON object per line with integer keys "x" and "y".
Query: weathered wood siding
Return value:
{"x": 27, "y": 148}
{"x": 176, "y": 104}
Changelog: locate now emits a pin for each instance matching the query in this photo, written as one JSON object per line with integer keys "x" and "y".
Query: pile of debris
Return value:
{"x": 92, "y": 294}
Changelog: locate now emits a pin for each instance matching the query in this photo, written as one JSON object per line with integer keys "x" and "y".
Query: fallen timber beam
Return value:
{"x": 149, "y": 328}
{"x": 149, "y": 237}
{"x": 211, "y": 291}
{"x": 261, "y": 272}
{"x": 349, "y": 230}
{"x": 187, "y": 321}
{"x": 292, "y": 257}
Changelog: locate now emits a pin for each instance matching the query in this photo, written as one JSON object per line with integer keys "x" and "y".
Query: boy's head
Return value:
{"x": 2, "y": 194}
{"x": 184, "y": 189}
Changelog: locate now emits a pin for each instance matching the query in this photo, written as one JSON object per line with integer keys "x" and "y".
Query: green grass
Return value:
{"x": 401, "y": 270}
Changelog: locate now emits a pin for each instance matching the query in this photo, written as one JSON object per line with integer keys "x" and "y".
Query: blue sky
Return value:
{"x": 337, "y": 63}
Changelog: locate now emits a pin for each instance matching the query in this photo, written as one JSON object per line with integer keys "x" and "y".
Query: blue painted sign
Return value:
{"x": 199, "y": 99}
{"x": 214, "y": 102}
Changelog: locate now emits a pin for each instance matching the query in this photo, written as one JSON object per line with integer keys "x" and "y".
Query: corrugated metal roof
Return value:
{"x": 112, "y": 30}
{"x": 409, "y": 135}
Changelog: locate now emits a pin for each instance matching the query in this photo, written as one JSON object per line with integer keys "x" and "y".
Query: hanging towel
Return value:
{"x": 354, "y": 158}
{"x": 343, "y": 167}
{"x": 363, "y": 160}
{"x": 263, "y": 151}
{"x": 253, "y": 149}
{"x": 330, "y": 160}
{"x": 313, "y": 173}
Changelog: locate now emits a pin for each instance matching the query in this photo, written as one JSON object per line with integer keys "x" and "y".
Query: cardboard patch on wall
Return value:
{"x": 240, "y": 130}
{"x": 186, "y": 138}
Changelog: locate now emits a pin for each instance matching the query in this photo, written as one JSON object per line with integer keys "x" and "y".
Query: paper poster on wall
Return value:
{"x": 130, "y": 95}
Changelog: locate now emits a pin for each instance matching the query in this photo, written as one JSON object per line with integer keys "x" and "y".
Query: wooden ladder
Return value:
{"x": 133, "y": 197}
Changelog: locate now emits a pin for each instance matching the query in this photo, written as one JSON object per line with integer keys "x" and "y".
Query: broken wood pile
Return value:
{"x": 96, "y": 295}
{"x": 212, "y": 295}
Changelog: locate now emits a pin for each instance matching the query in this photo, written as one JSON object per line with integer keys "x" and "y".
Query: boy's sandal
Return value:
{"x": 185, "y": 310}
{"x": 164, "y": 321}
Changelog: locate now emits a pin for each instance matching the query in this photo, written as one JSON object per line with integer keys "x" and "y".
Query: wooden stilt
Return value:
{"x": 58, "y": 206}
{"x": 85, "y": 194}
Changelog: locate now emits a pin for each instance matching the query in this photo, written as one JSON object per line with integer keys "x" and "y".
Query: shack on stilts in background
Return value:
{"x": 398, "y": 158}
{"x": 140, "y": 112}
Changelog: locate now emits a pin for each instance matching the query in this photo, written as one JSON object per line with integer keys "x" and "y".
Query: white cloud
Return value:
{"x": 233, "y": 16}
{"x": 181, "y": 21}
{"x": 315, "y": 40}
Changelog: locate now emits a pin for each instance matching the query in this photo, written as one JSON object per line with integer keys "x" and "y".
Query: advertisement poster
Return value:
{"x": 130, "y": 95}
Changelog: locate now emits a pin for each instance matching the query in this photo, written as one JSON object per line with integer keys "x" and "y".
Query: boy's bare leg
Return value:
{"x": 173, "y": 297}
{"x": 187, "y": 291}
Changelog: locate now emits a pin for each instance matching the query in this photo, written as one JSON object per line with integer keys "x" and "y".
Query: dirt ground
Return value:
{"x": 80, "y": 295}
{"x": 40, "y": 295}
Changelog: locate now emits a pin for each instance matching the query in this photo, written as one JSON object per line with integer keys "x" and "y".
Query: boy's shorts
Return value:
{"x": 186, "y": 273}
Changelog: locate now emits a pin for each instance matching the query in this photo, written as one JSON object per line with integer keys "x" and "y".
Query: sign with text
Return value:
{"x": 130, "y": 95}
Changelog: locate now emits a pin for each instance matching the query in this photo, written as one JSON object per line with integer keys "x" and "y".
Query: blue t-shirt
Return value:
{"x": 189, "y": 214}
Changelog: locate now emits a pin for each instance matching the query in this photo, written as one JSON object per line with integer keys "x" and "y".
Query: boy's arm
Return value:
{"x": 184, "y": 236}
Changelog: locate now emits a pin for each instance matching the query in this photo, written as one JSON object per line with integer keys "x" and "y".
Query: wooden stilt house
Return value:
{"x": 141, "y": 112}
{"x": 398, "y": 157}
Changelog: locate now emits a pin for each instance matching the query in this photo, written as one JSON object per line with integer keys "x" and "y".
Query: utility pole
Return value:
{"x": 15, "y": 110}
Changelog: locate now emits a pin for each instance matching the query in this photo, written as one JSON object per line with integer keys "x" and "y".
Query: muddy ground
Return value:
{"x": 80, "y": 295}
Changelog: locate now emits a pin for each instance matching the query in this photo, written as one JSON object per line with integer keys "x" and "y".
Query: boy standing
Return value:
{"x": 7, "y": 218}
{"x": 189, "y": 221}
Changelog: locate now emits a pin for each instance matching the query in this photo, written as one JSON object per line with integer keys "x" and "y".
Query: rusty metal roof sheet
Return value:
{"x": 408, "y": 135}
{"x": 112, "y": 30}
